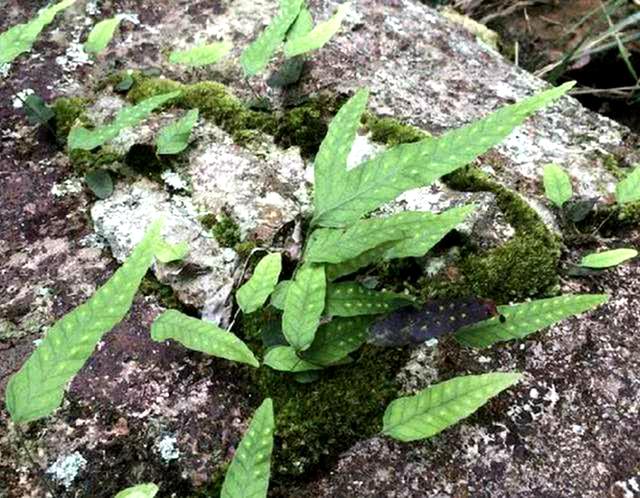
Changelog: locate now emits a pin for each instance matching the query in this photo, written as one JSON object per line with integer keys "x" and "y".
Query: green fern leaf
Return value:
{"x": 202, "y": 55}
{"x": 81, "y": 138}
{"x": 101, "y": 35}
{"x": 318, "y": 36}
{"x": 167, "y": 253}
{"x": 557, "y": 184}
{"x": 303, "y": 306}
{"x": 37, "y": 388}
{"x": 330, "y": 165}
{"x": 279, "y": 294}
{"x": 285, "y": 359}
{"x": 336, "y": 339}
{"x": 606, "y": 259}
{"x": 256, "y": 56}
{"x": 442, "y": 405}
{"x": 429, "y": 230}
{"x": 352, "y": 299}
{"x": 248, "y": 474}
{"x": 20, "y": 38}
{"x": 174, "y": 138}
{"x": 525, "y": 318}
{"x": 413, "y": 232}
{"x": 202, "y": 336}
{"x": 148, "y": 490}
{"x": 349, "y": 266}
{"x": 628, "y": 190}
{"x": 408, "y": 166}
{"x": 302, "y": 25}
{"x": 252, "y": 295}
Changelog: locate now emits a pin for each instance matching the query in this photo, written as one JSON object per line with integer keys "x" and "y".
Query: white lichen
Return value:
{"x": 167, "y": 447}
{"x": 66, "y": 468}
{"x": 69, "y": 186}
{"x": 19, "y": 98}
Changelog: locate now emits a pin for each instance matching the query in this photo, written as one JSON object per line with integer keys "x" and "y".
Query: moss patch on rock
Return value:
{"x": 67, "y": 111}
{"x": 318, "y": 420}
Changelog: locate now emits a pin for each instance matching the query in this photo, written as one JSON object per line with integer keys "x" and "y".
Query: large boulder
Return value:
{"x": 146, "y": 411}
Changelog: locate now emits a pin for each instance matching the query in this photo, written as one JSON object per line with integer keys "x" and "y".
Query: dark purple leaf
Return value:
{"x": 411, "y": 325}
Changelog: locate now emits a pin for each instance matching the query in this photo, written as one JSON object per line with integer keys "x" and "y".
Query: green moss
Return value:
{"x": 390, "y": 131}
{"x": 318, "y": 420}
{"x": 84, "y": 160}
{"x": 150, "y": 286}
{"x": 611, "y": 164}
{"x": 67, "y": 111}
{"x": 224, "y": 229}
{"x": 524, "y": 266}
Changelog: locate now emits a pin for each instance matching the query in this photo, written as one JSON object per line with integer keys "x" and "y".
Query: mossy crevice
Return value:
{"x": 524, "y": 266}
{"x": 304, "y": 125}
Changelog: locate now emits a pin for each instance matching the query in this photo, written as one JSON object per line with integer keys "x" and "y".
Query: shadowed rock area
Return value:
{"x": 141, "y": 411}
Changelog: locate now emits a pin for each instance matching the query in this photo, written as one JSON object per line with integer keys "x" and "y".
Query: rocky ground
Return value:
{"x": 146, "y": 411}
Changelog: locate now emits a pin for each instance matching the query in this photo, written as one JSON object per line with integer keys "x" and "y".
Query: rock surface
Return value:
{"x": 173, "y": 417}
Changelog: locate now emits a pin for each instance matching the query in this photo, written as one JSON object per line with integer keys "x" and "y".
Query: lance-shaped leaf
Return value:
{"x": 256, "y": 56}
{"x": 318, "y": 36}
{"x": 202, "y": 55}
{"x": 412, "y": 232}
{"x": 19, "y": 38}
{"x": 174, "y": 138}
{"x": 37, "y": 388}
{"x": 429, "y": 230}
{"x": 202, "y": 336}
{"x": 286, "y": 359}
{"x": 82, "y": 138}
{"x": 557, "y": 184}
{"x": 367, "y": 258}
{"x": 302, "y": 25}
{"x": 433, "y": 319}
{"x": 248, "y": 474}
{"x": 523, "y": 319}
{"x": 101, "y": 35}
{"x": 418, "y": 164}
{"x": 442, "y": 405}
{"x": 352, "y": 299}
{"x": 336, "y": 339}
{"x": 303, "y": 306}
{"x": 628, "y": 190}
{"x": 606, "y": 259}
{"x": 148, "y": 490}
{"x": 280, "y": 294}
{"x": 253, "y": 294}
{"x": 330, "y": 165}
{"x": 167, "y": 253}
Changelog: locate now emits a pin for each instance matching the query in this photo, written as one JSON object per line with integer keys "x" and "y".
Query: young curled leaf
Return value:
{"x": 442, "y": 405}
{"x": 202, "y": 336}
{"x": 255, "y": 292}
{"x": 520, "y": 320}
{"x": 250, "y": 469}
{"x": 286, "y": 359}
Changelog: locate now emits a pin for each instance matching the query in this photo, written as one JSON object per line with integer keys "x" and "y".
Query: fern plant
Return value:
{"x": 325, "y": 320}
